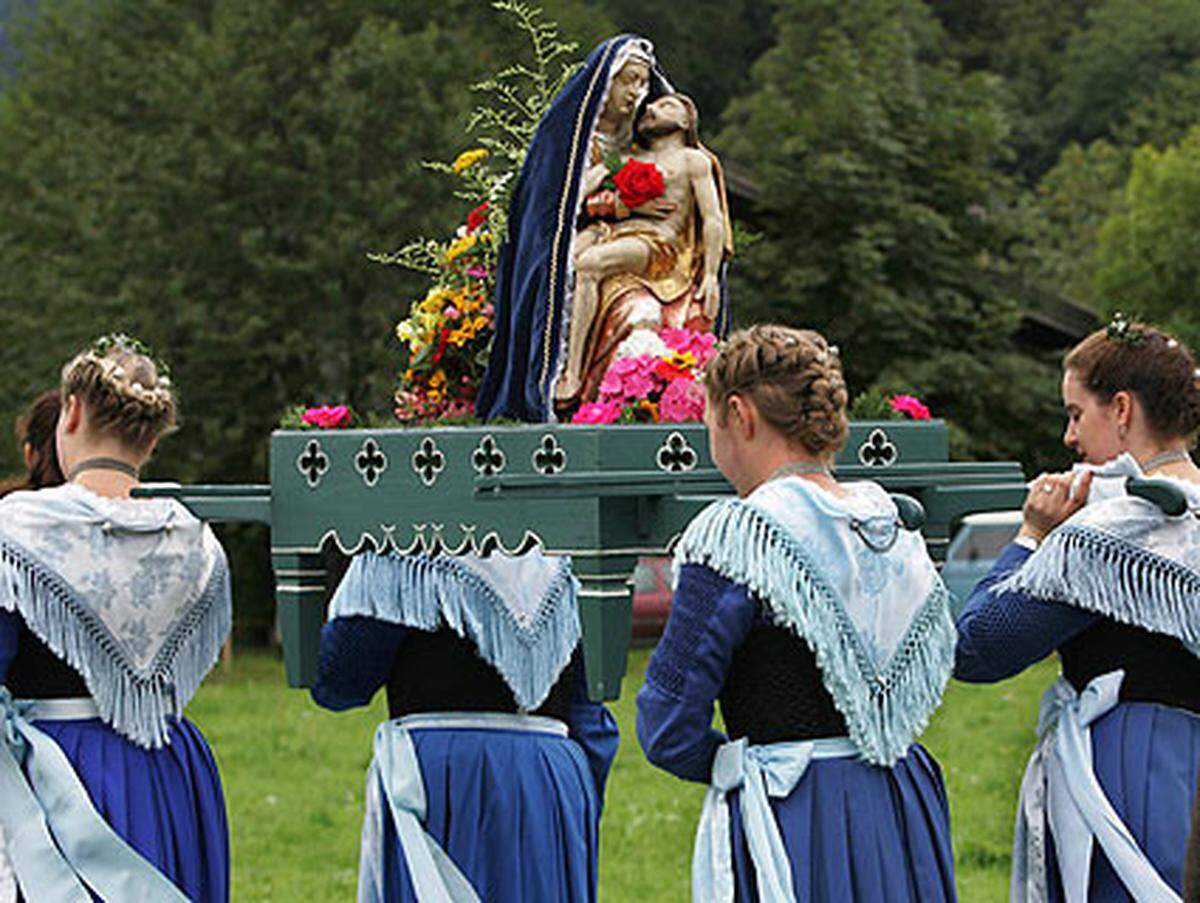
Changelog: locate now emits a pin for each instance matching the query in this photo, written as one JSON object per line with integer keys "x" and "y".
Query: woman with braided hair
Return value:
{"x": 1112, "y": 583}
{"x": 822, "y": 627}
{"x": 112, "y": 610}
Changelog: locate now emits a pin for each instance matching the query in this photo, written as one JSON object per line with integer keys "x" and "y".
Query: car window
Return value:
{"x": 983, "y": 541}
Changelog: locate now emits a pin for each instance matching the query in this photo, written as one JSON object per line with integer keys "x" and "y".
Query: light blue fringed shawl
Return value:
{"x": 1121, "y": 557}
{"x": 862, "y": 592}
{"x": 520, "y": 612}
{"x": 133, "y": 594}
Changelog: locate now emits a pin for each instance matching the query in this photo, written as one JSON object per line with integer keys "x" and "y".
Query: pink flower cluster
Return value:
{"x": 597, "y": 412}
{"x": 682, "y": 401}
{"x": 701, "y": 345}
{"x": 327, "y": 418}
{"x": 653, "y": 387}
{"x": 630, "y": 379}
{"x": 911, "y": 407}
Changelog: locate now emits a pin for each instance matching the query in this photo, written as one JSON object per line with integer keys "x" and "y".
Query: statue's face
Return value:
{"x": 665, "y": 115}
{"x": 627, "y": 89}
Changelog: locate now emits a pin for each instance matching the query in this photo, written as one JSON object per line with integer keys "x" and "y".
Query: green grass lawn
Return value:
{"x": 294, "y": 784}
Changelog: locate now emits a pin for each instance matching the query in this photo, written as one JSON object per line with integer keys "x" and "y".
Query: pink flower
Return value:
{"x": 631, "y": 379}
{"x": 702, "y": 345}
{"x": 682, "y": 401}
{"x": 910, "y": 406}
{"x": 597, "y": 412}
{"x": 326, "y": 418}
{"x": 478, "y": 272}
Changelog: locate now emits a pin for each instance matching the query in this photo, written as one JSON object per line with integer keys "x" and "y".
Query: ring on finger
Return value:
{"x": 1047, "y": 487}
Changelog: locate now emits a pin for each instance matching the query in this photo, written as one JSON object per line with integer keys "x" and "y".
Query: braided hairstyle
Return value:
{"x": 128, "y": 395}
{"x": 794, "y": 378}
{"x": 1151, "y": 364}
{"x": 35, "y": 429}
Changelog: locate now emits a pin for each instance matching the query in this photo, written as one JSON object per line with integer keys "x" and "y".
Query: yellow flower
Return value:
{"x": 405, "y": 331}
{"x": 682, "y": 359}
{"x": 467, "y": 159}
{"x": 460, "y": 247}
{"x": 437, "y": 380}
{"x": 479, "y": 323}
{"x": 434, "y": 301}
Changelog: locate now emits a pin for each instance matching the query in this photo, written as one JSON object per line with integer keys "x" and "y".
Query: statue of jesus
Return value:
{"x": 669, "y": 244}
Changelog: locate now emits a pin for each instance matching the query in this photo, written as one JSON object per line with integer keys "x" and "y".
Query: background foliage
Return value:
{"x": 210, "y": 174}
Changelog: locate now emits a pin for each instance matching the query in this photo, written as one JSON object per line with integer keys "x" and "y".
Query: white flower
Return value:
{"x": 643, "y": 341}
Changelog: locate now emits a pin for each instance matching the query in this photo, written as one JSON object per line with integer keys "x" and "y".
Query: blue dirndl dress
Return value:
{"x": 1146, "y": 754}
{"x": 860, "y": 809}
{"x": 487, "y": 782}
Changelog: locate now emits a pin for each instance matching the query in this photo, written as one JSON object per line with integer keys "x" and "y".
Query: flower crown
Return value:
{"x": 113, "y": 374}
{"x": 1121, "y": 330}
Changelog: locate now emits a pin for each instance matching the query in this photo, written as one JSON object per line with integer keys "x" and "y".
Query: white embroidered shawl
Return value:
{"x": 842, "y": 574}
{"x": 133, "y": 594}
{"x": 1122, "y": 557}
{"x": 520, "y": 612}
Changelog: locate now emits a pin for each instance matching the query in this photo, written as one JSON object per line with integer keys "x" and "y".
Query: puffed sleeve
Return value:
{"x": 355, "y": 659}
{"x": 1002, "y": 634}
{"x": 592, "y": 726}
{"x": 10, "y": 630}
{"x": 710, "y": 617}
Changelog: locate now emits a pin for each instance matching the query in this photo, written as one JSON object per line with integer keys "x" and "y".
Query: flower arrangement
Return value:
{"x": 447, "y": 333}
{"x": 876, "y": 404}
{"x": 654, "y": 378}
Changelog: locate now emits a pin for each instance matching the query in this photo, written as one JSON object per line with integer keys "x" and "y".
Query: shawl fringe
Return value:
{"x": 138, "y": 705}
{"x": 428, "y": 593}
{"x": 884, "y": 709}
{"x": 1099, "y": 572}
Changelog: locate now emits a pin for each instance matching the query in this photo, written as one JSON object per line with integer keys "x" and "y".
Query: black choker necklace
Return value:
{"x": 103, "y": 464}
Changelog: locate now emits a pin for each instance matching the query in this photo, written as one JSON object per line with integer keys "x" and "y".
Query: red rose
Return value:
{"x": 477, "y": 217}
{"x": 638, "y": 183}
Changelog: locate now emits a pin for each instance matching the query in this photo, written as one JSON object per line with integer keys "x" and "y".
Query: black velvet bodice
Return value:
{"x": 442, "y": 672}
{"x": 773, "y": 691}
{"x": 37, "y": 673}
{"x": 1157, "y": 668}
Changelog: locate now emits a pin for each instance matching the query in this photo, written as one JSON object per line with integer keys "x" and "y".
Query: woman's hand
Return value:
{"x": 1051, "y": 501}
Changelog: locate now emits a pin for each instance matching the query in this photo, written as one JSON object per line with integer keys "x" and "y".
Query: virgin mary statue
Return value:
{"x": 591, "y": 120}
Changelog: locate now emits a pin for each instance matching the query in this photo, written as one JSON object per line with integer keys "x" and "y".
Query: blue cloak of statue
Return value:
{"x": 533, "y": 275}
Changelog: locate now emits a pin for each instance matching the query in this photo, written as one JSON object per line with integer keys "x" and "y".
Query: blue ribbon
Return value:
{"x": 58, "y": 844}
{"x": 759, "y": 772}
{"x": 1060, "y": 789}
{"x": 395, "y": 776}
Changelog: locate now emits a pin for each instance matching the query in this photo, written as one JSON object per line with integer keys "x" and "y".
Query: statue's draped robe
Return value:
{"x": 534, "y": 275}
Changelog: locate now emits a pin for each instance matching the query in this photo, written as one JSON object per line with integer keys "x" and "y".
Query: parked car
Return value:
{"x": 974, "y": 549}
{"x": 651, "y": 599}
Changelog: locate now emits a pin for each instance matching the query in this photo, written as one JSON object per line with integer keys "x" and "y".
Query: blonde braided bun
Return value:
{"x": 793, "y": 376}
{"x": 127, "y": 394}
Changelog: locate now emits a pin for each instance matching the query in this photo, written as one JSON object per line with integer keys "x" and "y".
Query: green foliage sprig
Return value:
{"x": 520, "y": 94}
{"x": 874, "y": 404}
{"x": 503, "y": 123}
